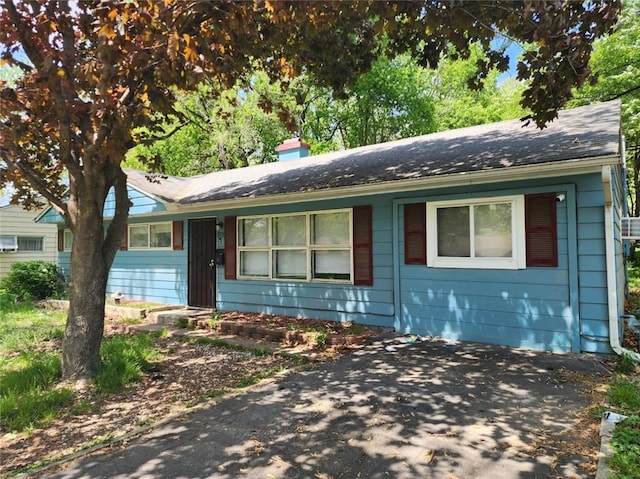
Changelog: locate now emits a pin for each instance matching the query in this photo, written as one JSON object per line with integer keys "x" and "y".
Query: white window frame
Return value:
{"x": 518, "y": 252}
{"x": 68, "y": 240}
{"x": 148, "y": 226}
{"x": 30, "y": 238}
{"x": 271, "y": 248}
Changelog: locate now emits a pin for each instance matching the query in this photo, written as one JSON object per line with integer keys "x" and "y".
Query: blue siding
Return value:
{"x": 153, "y": 275}
{"x": 594, "y": 320}
{"x": 531, "y": 307}
{"x": 328, "y": 301}
{"x": 142, "y": 204}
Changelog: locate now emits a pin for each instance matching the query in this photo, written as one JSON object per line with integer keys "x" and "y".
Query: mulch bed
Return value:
{"x": 286, "y": 330}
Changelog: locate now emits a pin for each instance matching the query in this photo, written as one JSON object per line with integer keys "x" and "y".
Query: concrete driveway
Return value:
{"x": 425, "y": 410}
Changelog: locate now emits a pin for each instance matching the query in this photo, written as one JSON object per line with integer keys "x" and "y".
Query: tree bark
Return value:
{"x": 92, "y": 254}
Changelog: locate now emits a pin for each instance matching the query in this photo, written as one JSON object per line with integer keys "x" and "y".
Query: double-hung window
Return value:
{"x": 482, "y": 233}
{"x": 304, "y": 246}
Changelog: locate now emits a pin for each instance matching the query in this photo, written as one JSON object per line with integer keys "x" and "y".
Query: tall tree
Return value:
{"x": 389, "y": 102}
{"x": 616, "y": 66}
{"x": 94, "y": 71}
{"x": 457, "y": 106}
{"x": 216, "y": 130}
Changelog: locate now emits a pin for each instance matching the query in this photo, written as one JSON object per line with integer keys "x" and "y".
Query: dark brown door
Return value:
{"x": 202, "y": 269}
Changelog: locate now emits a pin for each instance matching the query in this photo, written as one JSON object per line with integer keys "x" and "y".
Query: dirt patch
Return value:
{"x": 188, "y": 374}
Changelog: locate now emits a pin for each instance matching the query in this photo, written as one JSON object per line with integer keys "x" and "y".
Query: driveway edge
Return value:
{"x": 606, "y": 430}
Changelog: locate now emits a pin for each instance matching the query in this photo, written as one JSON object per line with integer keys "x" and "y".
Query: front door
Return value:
{"x": 202, "y": 268}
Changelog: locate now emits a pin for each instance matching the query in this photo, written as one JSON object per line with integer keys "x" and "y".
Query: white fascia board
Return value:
{"x": 516, "y": 173}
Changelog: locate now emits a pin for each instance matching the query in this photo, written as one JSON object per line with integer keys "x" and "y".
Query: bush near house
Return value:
{"x": 34, "y": 280}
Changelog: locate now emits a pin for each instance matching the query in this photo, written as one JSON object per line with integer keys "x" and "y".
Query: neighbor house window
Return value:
{"x": 305, "y": 246}
{"x": 150, "y": 236}
{"x": 33, "y": 244}
{"x": 68, "y": 240}
{"x": 8, "y": 243}
{"x": 483, "y": 233}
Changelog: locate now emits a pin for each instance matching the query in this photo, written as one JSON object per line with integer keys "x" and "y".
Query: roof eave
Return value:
{"x": 514, "y": 173}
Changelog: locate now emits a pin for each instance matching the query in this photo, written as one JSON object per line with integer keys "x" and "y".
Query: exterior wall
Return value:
{"x": 321, "y": 300}
{"x": 594, "y": 316}
{"x": 528, "y": 307}
{"x": 561, "y": 308}
{"x": 16, "y": 221}
{"x": 619, "y": 211}
{"x": 158, "y": 276}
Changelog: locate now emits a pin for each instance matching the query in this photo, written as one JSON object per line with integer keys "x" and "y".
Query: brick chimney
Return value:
{"x": 292, "y": 149}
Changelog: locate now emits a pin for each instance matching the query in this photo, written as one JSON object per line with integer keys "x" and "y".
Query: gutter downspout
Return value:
{"x": 612, "y": 292}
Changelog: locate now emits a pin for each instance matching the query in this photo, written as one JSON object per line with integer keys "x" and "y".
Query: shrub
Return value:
{"x": 33, "y": 280}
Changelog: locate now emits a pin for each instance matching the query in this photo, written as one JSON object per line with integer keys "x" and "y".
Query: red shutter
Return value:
{"x": 362, "y": 246}
{"x": 230, "y": 241}
{"x": 541, "y": 230}
{"x": 60, "y": 240}
{"x": 124, "y": 242}
{"x": 177, "y": 235}
{"x": 415, "y": 233}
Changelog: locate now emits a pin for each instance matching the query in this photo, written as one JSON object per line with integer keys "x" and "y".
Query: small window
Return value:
{"x": 150, "y": 236}
{"x": 8, "y": 243}
{"x": 487, "y": 233}
{"x": 33, "y": 244}
{"x": 68, "y": 240}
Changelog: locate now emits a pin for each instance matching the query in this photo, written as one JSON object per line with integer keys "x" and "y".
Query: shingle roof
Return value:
{"x": 585, "y": 132}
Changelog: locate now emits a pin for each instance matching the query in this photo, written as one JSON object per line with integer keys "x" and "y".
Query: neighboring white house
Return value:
{"x": 22, "y": 239}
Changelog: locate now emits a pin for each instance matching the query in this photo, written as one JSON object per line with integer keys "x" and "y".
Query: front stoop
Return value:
{"x": 174, "y": 317}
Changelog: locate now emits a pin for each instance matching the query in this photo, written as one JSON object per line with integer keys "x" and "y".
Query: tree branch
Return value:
{"x": 36, "y": 182}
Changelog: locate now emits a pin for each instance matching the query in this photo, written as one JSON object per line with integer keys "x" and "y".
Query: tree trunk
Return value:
{"x": 87, "y": 289}
{"x": 91, "y": 257}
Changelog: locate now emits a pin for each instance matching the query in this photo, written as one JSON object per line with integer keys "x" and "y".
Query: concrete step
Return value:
{"x": 173, "y": 317}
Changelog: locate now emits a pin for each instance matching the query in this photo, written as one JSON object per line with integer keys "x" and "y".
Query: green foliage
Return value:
{"x": 397, "y": 98}
{"x": 255, "y": 378}
{"x": 223, "y": 129}
{"x": 354, "y": 328}
{"x": 28, "y": 397}
{"x": 625, "y": 364}
{"x": 23, "y": 327}
{"x": 7, "y": 300}
{"x": 625, "y": 442}
{"x": 616, "y": 66}
{"x": 33, "y": 280}
{"x": 124, "y": 358}
{"x": 391, "y": 101}
{"x": 457, "y": 106}
{"x": 624, "y": 395}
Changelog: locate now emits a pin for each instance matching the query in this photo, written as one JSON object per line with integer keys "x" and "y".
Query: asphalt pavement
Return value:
{"x": 393, "y": 409}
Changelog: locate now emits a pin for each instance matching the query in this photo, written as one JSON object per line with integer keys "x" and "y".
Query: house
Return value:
{"x": 21, "y": 238}
{"x": 499, "y": 233}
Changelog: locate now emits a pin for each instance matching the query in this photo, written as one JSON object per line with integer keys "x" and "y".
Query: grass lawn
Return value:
{"x": 624, "y": 398}
{"x": 30, "y": 391}
{"x": 43, "y": 419}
